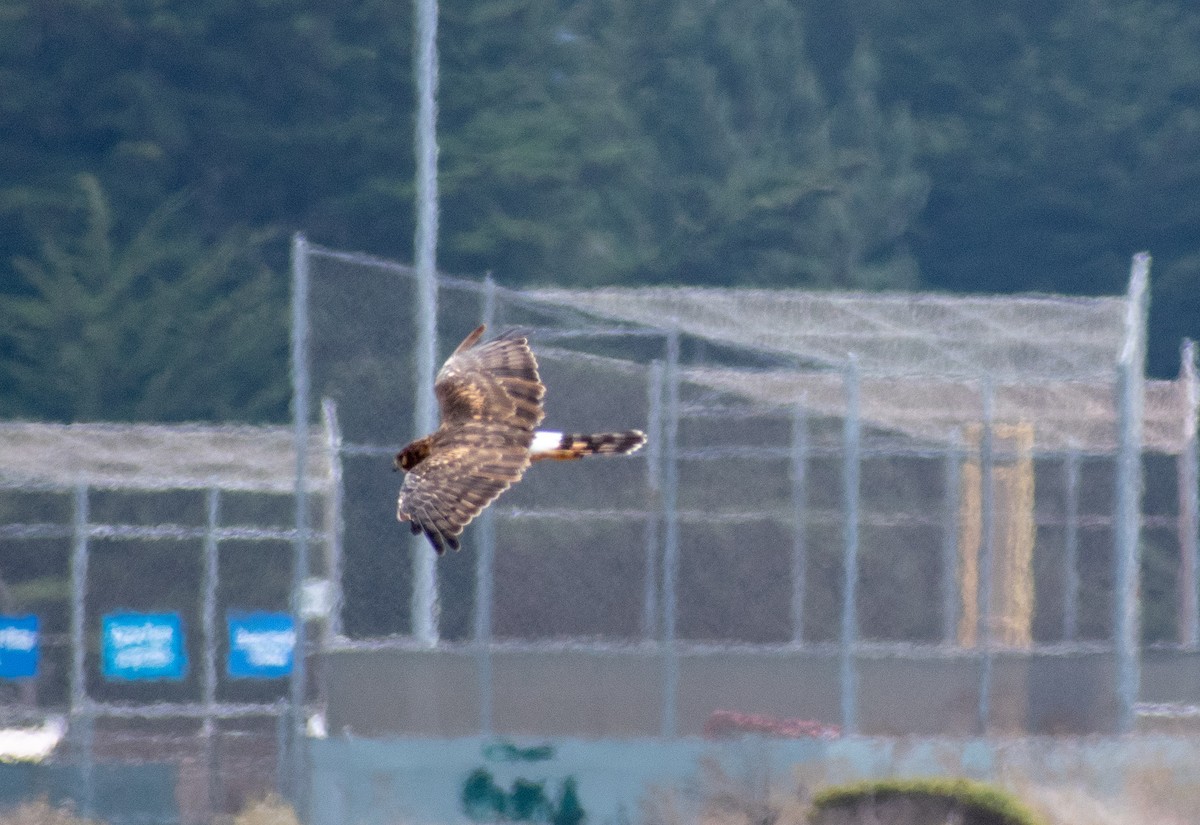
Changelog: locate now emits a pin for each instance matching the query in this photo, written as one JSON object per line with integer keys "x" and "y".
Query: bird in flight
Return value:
{"x": 490, "y": 399}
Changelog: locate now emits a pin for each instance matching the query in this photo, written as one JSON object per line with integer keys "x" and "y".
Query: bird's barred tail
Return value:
{"x": 566, "y": 446}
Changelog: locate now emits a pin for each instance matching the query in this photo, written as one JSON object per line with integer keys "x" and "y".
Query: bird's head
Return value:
{"x": 412, "y": 455}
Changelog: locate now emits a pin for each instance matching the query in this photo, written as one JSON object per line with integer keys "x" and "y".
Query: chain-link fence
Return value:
{"x": 133, "y": 554}
{"x": 889, "y": 513}
{"x": 906, "y": 478}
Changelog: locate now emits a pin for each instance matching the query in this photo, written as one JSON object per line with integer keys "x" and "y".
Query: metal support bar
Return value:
{"x": 799, "y": 479}
{"x": 950, "y": 527}
{"x": 987, "y": 555}
{"x": 1071, "y": 468}
{"x": 335, "y": 526}
{"x": 487, "y": 302}
{"x": 851, "y": 468}
{"x": 300, "y": 429}
{"x": 1127, "y": 555}
{"x": 485, "y": 537}
{"x": 208, "y": 630}
{"x": 82, "y": 723}
{"x": 425, "y": 68}
{"x": 1189, "y": 503}
{"x": 651, "y": 626}
{"x": 670, "y": 564}
{"x": 281, "y": 746}
{"x": 79, "y": 568}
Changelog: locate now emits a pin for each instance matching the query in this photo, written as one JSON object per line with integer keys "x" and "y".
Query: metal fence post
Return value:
{"x": 670, "y": 565}
{"x": 1128, "y": 520}
{"x": 82, "y": 723}
{"x": 1189, "y": 503}
{"x": 851, "y": 468}
{"x": 654, "y": 432}
{"x": 208, "y": 628}
{"x": 485, "y": 537}
{"x": 334, "y": 525}
{"x": 282, "y": 766}
{"x": 950, "y": 527}
{"x": 799, "y": 479}
{"x": 987, "y": 554}
{"x": 300, "y": 439}
{"x": 425, "y": 583}
{"x": 1070, "y": 628}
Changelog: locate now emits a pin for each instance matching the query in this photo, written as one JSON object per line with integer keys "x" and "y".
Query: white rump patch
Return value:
{"x": 545, "y": 441}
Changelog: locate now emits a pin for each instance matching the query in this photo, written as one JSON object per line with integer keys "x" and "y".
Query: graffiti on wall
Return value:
{"x": 484, "y": 799}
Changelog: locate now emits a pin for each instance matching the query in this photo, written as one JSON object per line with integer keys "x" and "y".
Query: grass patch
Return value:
{"x": 41, "y": 812}
{"x": 270, "y": 810}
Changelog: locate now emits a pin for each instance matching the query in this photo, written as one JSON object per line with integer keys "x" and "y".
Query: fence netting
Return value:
{"x": 973, "y": 426}
{"x": 169, "y": 529}
{"x": 842, "y": 499}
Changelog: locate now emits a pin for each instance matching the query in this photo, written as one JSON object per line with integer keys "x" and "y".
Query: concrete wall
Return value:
{"x": 417, "y": 781}
{"x": 121, "y": 794}
{"x": 619, "y": 692}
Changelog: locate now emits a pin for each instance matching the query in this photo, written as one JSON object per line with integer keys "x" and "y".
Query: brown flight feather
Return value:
{"x": 490, "y": 398}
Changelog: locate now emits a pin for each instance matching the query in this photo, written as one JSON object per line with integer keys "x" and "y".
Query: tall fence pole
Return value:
{"x": 425, "y": 584}
{"x": 485, "y": 538}
{"x": 1128, "y": 521}
{"x": 670, "y": 566}
{"x": 1189, "y": 503}
{"x": 851, "y": 468}
{"x": 300, "y": 432}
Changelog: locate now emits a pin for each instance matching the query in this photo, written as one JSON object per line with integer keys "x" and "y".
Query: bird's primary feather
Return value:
{"x": 490, "y": 398}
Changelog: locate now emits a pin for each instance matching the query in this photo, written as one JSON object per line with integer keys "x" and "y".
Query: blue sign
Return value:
{"x": 260, "y": 645}
{"x": 18, "y": 647}
{"x": 143, "y": 646}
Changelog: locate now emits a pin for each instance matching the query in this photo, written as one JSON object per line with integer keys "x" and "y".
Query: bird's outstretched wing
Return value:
{"x": 462, "y": 475}
{"x": 490, "y": 397}
{"x": 496, "y": 382}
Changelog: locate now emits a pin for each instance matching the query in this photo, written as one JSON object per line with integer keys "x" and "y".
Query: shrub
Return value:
{"x": 919, "y": 801}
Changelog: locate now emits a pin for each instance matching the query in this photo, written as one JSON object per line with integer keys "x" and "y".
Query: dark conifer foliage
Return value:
{"x": 154, "y": 158}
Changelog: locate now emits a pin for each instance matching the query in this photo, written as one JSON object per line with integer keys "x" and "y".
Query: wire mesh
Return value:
{"x": 192, "y": 522}
{"x": 977, "y": 418}
{"x": 964, "y": 471}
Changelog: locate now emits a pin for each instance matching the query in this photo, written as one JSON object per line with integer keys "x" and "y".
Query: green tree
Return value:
{"x": 161, "y": 327}
{"x": 293, "y": 113}
{"x": 756, "y": 176}
{"x": 267, "y": 115}
{"x": 540, "y": 161}
{"x": 593, "y": 142}
{"x": 1062, "y": 137}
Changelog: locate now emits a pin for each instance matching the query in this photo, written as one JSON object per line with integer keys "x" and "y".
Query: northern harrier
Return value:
{"x": 490, "y": 397}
